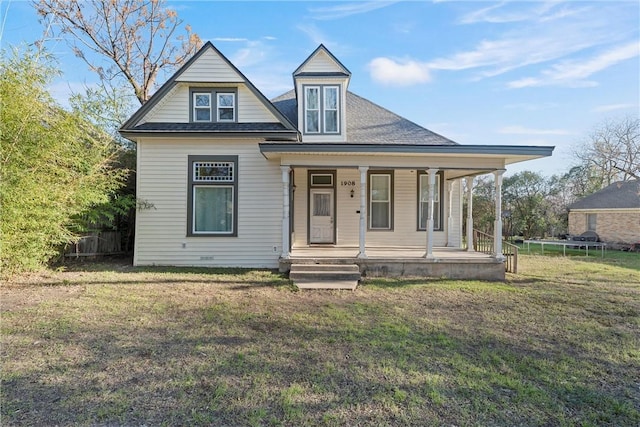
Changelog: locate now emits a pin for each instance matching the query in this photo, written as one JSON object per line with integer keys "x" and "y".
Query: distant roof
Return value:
{"x": 368, "y": 123}
{"x": 619, "y": 195}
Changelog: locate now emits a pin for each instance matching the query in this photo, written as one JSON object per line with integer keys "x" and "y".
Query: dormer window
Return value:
{"x": 226, "y": 107}
{"x": 321, "y": 109}
{"x": 213, "y": 105}
{"x": 201, "y": 107}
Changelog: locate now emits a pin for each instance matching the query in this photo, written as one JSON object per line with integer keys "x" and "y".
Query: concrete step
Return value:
{"x": 325, "y": 276}
{"x": 325, "y": 267}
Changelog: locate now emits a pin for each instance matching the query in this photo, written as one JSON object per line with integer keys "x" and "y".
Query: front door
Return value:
{"x": 321, "y": 215}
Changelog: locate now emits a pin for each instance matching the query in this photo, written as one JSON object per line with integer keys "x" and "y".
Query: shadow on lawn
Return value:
{"x": 227, "y": 368}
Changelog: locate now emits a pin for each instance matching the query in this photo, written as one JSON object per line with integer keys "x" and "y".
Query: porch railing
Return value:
{"x": 483, "y": 242}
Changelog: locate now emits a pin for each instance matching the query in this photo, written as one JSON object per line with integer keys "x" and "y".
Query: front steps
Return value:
{"x": 325, "y": 276}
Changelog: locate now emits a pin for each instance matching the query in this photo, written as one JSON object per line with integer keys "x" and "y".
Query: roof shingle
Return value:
{"x": 368, "y": 123}
{"x": 619, "y": 195}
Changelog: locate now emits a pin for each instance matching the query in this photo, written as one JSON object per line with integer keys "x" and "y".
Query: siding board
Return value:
{"x": 161, "y": 230}
{"x": 175, "y": 107}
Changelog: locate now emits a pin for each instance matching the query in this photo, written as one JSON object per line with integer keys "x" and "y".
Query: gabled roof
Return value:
{"x": 368, "y": 123}
{"x": 321, "y": 49}
{"x": 130, "y": 125}
{"x": 619, "y": 195}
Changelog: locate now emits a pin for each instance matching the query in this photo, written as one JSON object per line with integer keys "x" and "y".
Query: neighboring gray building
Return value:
{"x": 613, "y": 213}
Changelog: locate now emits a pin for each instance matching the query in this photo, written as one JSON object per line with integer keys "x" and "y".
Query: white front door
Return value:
{"x": 321, "y": 215}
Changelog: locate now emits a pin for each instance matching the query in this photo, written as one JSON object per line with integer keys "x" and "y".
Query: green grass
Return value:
{"x": 109, "y": 344}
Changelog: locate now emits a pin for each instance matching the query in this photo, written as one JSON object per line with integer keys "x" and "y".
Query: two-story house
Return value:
{"x": 316, "y": 174}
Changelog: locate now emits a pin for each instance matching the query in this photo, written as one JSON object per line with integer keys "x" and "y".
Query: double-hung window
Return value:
{"x": 321, "y": 109}
{"x": 201, "y": 106}
{"x": 423, "y": 201}
{"x": 330, "y": 109}
{"x": 312, "y": 109}
{"x": 214, "y": 105}
{"x": 381, "y": 200}
{"x": 226, "y": 106}
{"x": 213, "y": 196}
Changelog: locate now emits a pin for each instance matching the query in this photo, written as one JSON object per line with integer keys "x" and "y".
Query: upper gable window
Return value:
{"x": 201, "y": 107}
{"x": 331, "y": 109}
{"x": 321, "y": 109}
{"x": 226, "y": 107}
{"x": 214, "y": 105}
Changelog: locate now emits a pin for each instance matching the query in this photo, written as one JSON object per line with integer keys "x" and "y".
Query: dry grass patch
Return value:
{"x": 117, "y": 345}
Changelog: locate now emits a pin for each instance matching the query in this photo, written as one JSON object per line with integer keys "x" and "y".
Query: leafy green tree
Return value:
{"x": 484, "y": 208}
{"x": 107, "y": 107}
{"x": 525, "y": 196}
{"x": 54, "y": 164}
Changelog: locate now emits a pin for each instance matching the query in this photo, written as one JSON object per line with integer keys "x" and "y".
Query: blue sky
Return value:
{"x": 478, "y": 72}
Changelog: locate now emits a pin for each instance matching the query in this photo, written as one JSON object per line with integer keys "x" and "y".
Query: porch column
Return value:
{"x": 363, "y": 211}
{"x": 450, "y": 216}
{"x": 469, "y": 180}
{"x": 429, "y": 225}
{"x": 285, "y": 211}
{"x": 497, "y": 225}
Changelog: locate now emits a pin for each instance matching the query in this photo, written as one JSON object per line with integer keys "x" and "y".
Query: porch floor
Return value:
{"x": 395, "y": 261}
{"x": 387, "y": 252}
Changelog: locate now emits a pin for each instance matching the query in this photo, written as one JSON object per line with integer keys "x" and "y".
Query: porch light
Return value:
{"x": 351, "y": 192}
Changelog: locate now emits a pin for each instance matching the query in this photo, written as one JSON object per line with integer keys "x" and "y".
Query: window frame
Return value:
{"x": 595, "y": 221}
{"x": 321, "y": 111}
{"x": 213, "y": 93}
{"x": 440, "y": 202}
{"x": 195, "y": 107}
{"x": 193, "y": 184}
{"x": 219, "y": 107}
{"x": 317, "y": 110}
{"x": 325, "y": 109}
{"x": 390, "y": 174}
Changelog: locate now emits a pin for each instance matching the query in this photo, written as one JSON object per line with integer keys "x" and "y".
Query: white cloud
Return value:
{"x": 613, "y": 107}
{"x": 514, "y": 11}
{"x": 314, "y": 33}
{"x": 521, "y": 130}
{"x": 574, "y": 73}
{"x": 229, "y": 39}
{"x": 533, "y": 33}
{"x": 398, "y": 73}
{"x": 347, "y": 9}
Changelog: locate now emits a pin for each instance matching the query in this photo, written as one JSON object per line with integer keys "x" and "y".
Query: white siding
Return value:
{"x": 300, "y": 208}
{"x": 454, "y": 235}
{"x": 251, "y": 109}
{"x": 210, "y": 67}
{"x": 161, "y": 230}
{"x": 404, "y": 233}
{"x": 321, "y": 63}
{"x": 174, "y": 107}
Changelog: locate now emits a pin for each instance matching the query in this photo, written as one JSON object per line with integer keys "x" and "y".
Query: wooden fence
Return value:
{"x": 98, "y": 243}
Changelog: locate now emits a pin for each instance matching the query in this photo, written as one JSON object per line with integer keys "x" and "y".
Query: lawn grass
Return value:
{"x": 109, "y": 344}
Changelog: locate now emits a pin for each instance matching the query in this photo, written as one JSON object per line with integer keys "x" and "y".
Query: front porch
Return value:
{"x": 394, "y": 261}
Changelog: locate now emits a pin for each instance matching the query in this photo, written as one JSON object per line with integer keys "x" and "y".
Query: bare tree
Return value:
{"x": 138, "y": 37}
{"x": 612, "y": 151}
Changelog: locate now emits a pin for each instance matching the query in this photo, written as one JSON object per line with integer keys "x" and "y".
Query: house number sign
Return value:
{"x": 347, "y": 183}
